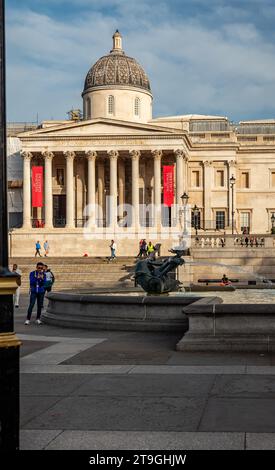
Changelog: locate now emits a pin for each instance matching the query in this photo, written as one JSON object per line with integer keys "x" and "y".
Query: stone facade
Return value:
{"x": 114, "y": 158}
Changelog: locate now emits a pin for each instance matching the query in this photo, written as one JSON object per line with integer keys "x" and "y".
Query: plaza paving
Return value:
{"x": 124, "y": 390}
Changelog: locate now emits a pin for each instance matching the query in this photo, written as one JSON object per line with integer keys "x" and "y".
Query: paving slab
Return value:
{"x": 42, "y": 385}
{"x": 260, "y": 441}
{"x": 121, "y": 413}
{"x": 32, "y": 407}
{"x": 239, "y": 415}
{"x": 146, "y": 386}
{"x": 117, "y": 440}
{"x": 33, "y": 440}
{"x": 30, "y": 347}
{"x": 266, "y": 370}
{"x": 245, "y": 386}
{"x": 72, "y": 369}
{"x": 188, "y": 369}
{"x": 219, "y": 358}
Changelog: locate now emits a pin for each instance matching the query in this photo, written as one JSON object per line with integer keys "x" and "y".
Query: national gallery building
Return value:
{"x": 117, "y": 173}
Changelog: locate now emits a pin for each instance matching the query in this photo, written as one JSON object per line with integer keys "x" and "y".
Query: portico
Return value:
{"x": 117, "y": 184}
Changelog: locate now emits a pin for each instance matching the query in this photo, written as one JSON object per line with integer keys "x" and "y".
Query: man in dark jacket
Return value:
{"x": 37, "y": 291}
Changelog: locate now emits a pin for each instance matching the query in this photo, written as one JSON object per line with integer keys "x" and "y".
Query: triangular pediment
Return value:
{"x": 99, "y": 127}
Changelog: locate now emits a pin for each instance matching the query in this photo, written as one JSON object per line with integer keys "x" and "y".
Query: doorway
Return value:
{"x": 59, "y": 210}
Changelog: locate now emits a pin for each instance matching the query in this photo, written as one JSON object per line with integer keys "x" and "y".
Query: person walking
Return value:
{"x": 46, "y": 247}
{"x": 37, "y": 248}
{"x": 37, "y": 292}
{"x": 16, "y": 296}
{"x": 113, "y": 250}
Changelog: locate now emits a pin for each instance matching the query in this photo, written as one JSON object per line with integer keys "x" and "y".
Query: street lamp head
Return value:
{"x": 184, "y": 198}
{"x": 195, "y": 209}
{"x": 273, "y": 218}
{"x": 232, "y": 180}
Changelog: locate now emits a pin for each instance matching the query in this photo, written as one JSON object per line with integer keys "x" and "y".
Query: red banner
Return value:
{"x": 168, "y": 185}
{"x": 37, "y": 186}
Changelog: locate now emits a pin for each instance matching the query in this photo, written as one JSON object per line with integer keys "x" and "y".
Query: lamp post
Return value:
{"x": 196, "y": 213}
{"x": 232, "y": 182}
{"x": 184, "y": 199}
{"x": 9, "y": 343}
{"x": 273, "y": 224}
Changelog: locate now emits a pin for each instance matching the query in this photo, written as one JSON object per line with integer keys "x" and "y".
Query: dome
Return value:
{"x": 116, "y": 68}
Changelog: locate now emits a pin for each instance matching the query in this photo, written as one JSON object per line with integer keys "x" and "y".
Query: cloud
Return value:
{"x": 198, "y": 59}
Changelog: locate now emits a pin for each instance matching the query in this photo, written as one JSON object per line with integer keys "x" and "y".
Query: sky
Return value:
{"x": 201, "y": 56}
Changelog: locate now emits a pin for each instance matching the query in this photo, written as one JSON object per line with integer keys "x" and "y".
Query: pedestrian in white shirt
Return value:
{"x": 16, "y": 296}
{"x": 113, "y": 250}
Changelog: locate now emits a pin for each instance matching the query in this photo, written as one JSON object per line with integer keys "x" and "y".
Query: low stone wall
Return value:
{"x": 100, "y": 311}
{"x": 229, "y": 327}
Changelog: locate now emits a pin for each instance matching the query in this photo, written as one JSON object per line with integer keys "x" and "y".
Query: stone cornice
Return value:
{"x": 104, "y": 137}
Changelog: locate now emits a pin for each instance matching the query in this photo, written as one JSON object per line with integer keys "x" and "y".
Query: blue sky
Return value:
{"x": 201, "y": 56}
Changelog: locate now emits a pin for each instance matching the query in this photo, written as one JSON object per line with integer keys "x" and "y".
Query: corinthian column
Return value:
{"x": 135, "y": 155}
{"x": 48, "y": 157}
{"x": 101, "y": 195}
{"x": 113, "y": 155}
{"x": 179, "y": 174}
{"x": 157, "y": 154}
{"x": 27, "y": 156}
{"x": 91, "y": 156}
{"x": 69, "y": 189}
{"x": 207, "y": 193}
{"x": 121, "y": 188}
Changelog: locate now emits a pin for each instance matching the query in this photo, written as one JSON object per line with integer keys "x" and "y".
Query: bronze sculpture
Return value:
{"x": 153, "y": 276}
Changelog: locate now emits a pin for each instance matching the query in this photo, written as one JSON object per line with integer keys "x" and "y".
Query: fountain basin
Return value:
{"x": 229, "y": 327}
{"x": 105, "y": 309}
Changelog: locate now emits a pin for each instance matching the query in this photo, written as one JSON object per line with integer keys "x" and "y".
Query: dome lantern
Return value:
{"x": 119, "y": 78}
{"x": 117, "y": 43}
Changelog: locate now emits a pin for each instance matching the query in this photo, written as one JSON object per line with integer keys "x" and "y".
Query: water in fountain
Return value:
{"x": 229, "y": 266}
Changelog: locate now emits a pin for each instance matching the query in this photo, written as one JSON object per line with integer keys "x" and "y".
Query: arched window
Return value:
{"x": 137, "y": 106}
{"x": 111, "y": 104}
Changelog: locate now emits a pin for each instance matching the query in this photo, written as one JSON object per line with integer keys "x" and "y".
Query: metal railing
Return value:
{"x": 59, "y": 222}
{"x": 38, "y": 223}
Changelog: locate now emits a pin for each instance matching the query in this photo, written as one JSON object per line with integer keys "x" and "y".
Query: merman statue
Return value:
{"x": 153, "y": 276}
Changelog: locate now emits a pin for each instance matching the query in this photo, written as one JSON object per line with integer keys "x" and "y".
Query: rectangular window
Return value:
{"x": 60, "y": 176}
{"x": 273, "y": 178}
{"x": 196, "y": 220}
{"x": 220, "y": 219}
{"x": 245, "y": 222}
{"x": 220, "y": 178}
{"x": 244, "y": 179}
{"x": 195, "y": 178}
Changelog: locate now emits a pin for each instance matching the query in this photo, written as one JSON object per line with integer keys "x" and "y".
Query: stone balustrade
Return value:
{"x": 231, "y": 241}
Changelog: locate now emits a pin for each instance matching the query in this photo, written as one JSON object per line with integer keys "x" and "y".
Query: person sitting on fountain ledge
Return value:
{"x": 225, "y": 280}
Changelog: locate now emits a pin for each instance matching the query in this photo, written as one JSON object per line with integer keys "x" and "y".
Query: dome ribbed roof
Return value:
{"x": 116, "y": 68}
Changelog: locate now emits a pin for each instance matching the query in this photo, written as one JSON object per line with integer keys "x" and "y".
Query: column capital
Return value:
{"x": 91, "y": 155}
{"x": 47, "y": 155}
{"x": 157, "y": 154}
{"x": 113, "y": 154}
{"x": 232, "y": 163}
{"x": 69, "y": 155}
{"x": 135, "y": 154}
{"x": 26, "y": 155}
{"x": 207, "y": 163}
{"x": 179, "y": 152}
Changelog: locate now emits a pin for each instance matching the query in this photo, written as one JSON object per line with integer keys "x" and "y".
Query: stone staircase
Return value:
{"x": 80, "y": 273}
